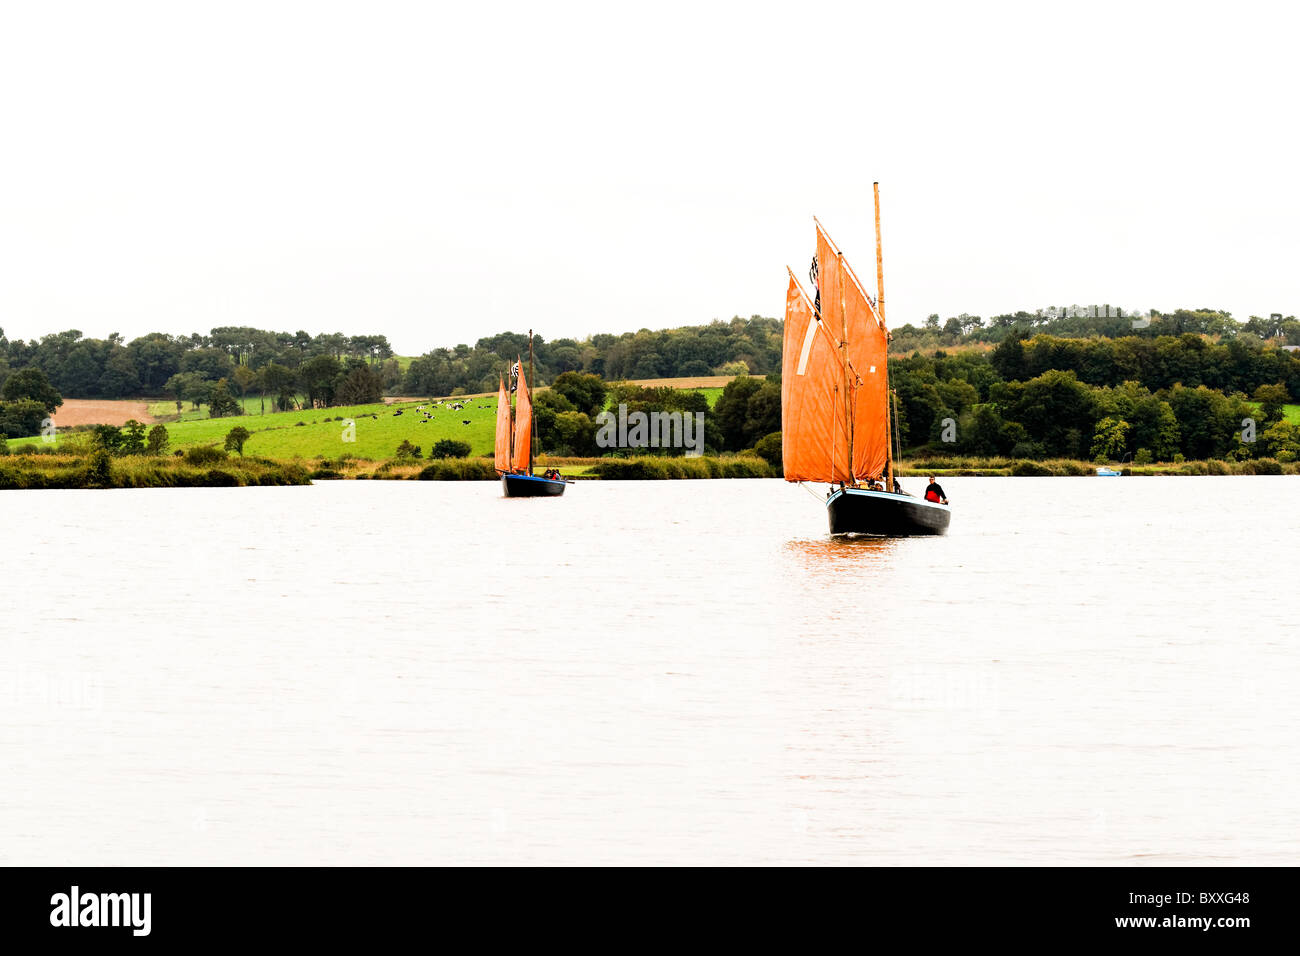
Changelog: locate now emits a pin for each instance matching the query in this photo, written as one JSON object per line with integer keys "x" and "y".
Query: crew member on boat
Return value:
{"x": 934, "y": 492}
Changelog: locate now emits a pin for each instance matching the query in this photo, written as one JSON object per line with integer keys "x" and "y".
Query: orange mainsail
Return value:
{"x": 814, "y": 443}
{"x": 502, "y": 457}
{"x": 848, "y": 311}
{"x": 523, "y": 424}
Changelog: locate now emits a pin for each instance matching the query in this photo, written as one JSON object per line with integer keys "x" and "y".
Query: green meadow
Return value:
{"x": 375, "y": 430}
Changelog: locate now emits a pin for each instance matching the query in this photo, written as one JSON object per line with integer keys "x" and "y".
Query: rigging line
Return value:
{"x": 804, "y": 486}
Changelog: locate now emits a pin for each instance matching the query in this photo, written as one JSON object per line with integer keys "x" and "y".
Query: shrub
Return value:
{"x": 458, "y": 469}
{"x": 649, "y": 469}
{"x": 204, "y": 455}
{"x": 446, "y": 448}
{"x": 1143, "y": 457}
{"x": 407, "y": 450}
{"x": 1030, "y": 469}
{"x": 236, "y": 438}
{"x": 769, "y": 449}
{"x": 218, "y": 478}
{"x": 99, "y": 469}
{"x": 158, "y": 440}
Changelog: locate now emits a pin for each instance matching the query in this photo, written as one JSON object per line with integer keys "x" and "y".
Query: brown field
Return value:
{"x": 86, "y": 411}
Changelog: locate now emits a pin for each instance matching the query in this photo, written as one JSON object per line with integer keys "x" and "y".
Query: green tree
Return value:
{"x": 235, "y": 439}
{"x": 448, "y": 448}
{"x": 1110, "y": 439}
{"x": 769, "y": 449}
{"x": 243, "y": 379}
{"x": 132, "y": 438}
{"x": 280, "y": 381}
{"x": 22, "y": 418}
{"x": 221, "y": 404}
{"x": 31, "y": 383}
{"x": 585, "y": 392}
{"x": 362, "y": 384}
{"x": 107, "y": 438}
{"x": 575, "y": 433}
{"x": 158, "y": 440}
{"x": 320, "y": 379}
{"x": 1272, "y": 400}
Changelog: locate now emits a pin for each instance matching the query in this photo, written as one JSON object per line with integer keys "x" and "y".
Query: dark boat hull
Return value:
{"x": 858, "y": 511}
{"x": 532, "y": 486}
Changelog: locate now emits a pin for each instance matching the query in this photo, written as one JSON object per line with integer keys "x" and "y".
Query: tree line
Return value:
{"x": 1161, "y": 398}
{"x": 287, "y": 367}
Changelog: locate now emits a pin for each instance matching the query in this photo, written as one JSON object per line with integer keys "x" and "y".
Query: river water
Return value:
{"x": 1084, "y": 671}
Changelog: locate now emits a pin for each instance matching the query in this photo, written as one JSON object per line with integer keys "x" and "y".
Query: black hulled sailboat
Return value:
{"x": 836, "y": 420}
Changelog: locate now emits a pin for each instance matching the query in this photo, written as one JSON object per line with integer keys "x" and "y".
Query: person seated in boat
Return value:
{"x": 898, "y": 489}
{"x": 934, "y": 492}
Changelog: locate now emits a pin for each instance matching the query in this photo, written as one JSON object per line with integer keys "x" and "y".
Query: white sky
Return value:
{"x": 439, "y": 173}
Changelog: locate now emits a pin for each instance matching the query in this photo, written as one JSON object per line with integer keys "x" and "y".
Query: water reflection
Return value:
{"x": 856, "y": 551}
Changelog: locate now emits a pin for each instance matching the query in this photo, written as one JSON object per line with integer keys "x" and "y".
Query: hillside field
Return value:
{"x": 319, "y": 433}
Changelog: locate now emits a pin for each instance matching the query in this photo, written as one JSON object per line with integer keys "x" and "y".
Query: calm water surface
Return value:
{"x": 1084, "y": 671}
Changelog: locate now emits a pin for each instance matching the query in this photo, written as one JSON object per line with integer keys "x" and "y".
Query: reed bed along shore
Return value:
{"x": 101, "y": 470}
{"x": 210, "y": 468}
{"x": 1066, "y": 467}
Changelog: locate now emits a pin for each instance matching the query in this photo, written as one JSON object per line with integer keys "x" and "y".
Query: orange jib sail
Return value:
{"x": 502, "y": 456}
{"x": 523, "y": 424}
{"x": 814, "y": 444}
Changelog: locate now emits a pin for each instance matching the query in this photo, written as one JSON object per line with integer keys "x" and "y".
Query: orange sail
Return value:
{"x": 868, "y": 354}
{"x": 851, "y": 315}
{"x": 503, "y": 429}
{"x": 523, "y": 424}
{"x": 814, "y": 442}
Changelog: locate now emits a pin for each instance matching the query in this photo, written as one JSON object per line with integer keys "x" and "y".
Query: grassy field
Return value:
{"x": 319, "y": 433}
{"x": 377, "y": 430}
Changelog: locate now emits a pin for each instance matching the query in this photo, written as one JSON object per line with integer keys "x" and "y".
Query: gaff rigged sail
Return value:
{"x": 814, "y": 440}
{"x": 502, "y": 456}
{"x": 523, "y": 425}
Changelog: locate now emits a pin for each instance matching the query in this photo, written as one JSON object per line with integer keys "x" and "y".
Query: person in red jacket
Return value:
{"x": 934, "y": 492}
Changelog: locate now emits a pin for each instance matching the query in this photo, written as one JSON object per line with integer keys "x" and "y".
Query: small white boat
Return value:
{"x": 1105, "y": 472}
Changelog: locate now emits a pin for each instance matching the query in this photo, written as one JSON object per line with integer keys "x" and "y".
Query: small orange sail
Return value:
{"x": 814, "y": 445}
{"x": 523, "y": 424}
{"x": 502, "y": 457}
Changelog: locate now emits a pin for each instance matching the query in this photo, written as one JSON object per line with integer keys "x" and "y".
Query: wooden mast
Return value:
{"x": 533, "y": 424}
{"x": 880, "y": 309}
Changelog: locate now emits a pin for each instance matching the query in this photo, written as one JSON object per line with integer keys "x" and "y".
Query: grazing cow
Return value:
{"x": 465, "y": 421}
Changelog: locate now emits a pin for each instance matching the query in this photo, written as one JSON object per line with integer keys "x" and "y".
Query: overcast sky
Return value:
{"x": 439, "y": 173}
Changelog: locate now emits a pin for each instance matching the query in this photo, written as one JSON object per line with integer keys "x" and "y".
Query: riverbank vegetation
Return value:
{"x": 100, "y": 469}
{"x": 1187, "y": 386}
